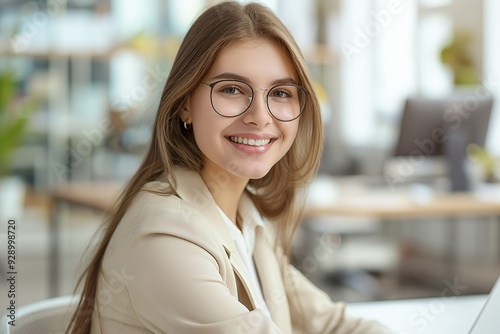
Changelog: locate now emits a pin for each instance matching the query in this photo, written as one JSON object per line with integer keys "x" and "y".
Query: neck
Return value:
{"x": 226, "y": 190}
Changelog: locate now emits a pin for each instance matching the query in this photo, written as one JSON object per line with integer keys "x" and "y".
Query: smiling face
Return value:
{"x": 248, "y": 145}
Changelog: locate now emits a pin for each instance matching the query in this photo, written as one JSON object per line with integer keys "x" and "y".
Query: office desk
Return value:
{"x": 93, "y": 195}
{"x": 329, "y": 196}
{"x": 345, "y": 197}
{"x": 352, "y": 197}
{"x": 453, "y": 315}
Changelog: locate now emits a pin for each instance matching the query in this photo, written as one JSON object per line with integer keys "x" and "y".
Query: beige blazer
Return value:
{"x": 172, "y": 267}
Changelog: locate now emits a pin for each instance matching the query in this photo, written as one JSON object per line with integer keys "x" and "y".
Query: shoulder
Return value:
{"x": 157, "y": 210}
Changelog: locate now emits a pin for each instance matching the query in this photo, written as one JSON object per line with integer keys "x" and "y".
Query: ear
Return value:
{"x": 185, "y": 114}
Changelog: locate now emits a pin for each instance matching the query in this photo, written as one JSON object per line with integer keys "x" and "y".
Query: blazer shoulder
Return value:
{"x": 159, "y": 213}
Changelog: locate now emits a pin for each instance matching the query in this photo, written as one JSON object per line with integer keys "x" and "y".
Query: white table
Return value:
{"x": 447, "y": 315}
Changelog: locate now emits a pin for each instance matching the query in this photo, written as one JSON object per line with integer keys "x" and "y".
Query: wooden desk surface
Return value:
{"x": 386, "y": 204}
{"x": 93, "y": 195}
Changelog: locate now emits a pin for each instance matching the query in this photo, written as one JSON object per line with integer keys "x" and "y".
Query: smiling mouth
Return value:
{"x": 249, "y": 141}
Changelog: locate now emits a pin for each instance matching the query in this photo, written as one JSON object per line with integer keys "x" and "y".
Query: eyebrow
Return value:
{"x": 234, "y": 76}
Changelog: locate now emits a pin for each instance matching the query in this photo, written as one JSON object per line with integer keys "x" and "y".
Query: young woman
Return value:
{"x": 198, "y": 242}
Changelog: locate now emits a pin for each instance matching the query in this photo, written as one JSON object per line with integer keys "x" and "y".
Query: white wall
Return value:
{"x": 492, "y": 68}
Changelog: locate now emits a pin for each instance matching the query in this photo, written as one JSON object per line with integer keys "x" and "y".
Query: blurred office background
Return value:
{"x": 87, "y": 76}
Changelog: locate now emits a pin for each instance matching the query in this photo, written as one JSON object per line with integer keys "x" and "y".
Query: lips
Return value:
{"x": 250, "y": 141}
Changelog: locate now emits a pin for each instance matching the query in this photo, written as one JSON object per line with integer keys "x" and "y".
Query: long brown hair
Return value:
{"x": 276, "y": 195}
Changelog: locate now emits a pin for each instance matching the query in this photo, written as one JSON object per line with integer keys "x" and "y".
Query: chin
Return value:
{"x": 258, "y": 176}
{"x": 253, "y": 173}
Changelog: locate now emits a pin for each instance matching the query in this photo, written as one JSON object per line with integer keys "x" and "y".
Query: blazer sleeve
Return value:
{"x": 312, "y": 310}
{"x": 177, "y": 288}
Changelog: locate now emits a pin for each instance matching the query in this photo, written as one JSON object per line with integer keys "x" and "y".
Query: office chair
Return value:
{"x": 48, "y": 316}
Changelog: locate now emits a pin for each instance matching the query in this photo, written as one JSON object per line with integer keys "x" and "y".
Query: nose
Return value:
{"x": 257, "y": 114}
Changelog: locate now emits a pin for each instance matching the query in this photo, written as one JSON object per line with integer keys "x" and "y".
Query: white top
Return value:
{"x": 245, "y": 244}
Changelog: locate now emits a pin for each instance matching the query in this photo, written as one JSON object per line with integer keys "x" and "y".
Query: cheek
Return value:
{"x": 203, "y": 119}
{"x": 207, "y": 127}
{"x": 203, "y": 133}
{"x": 290, "y": 131}
{"x": 199, "y": 107}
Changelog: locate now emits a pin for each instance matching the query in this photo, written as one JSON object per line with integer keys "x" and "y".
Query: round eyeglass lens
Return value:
{"x": 286, "y": 102}
{"x": 231, "y": 98}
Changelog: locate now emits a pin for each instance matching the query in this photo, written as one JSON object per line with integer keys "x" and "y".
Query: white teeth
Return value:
{"x": 251, "y": 142}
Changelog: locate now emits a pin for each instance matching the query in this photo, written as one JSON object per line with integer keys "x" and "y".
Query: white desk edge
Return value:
{"x": 449, "y": 314}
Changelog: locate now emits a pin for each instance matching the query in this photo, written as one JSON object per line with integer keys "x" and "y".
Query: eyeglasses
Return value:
{"x": 231, "y": 98}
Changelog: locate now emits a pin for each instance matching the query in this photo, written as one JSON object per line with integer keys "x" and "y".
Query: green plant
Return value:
{"x": 485, "y": 160}
{"x": 457, "y": 56}
{"x": 14, "y": 113}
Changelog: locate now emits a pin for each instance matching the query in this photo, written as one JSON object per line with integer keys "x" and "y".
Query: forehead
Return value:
{"x": 260, "y": 60}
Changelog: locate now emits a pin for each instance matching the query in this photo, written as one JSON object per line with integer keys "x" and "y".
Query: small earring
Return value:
{"x": 187, "y": 126}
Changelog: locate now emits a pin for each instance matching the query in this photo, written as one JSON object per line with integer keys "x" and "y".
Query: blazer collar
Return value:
{"x": 192, "y": 189}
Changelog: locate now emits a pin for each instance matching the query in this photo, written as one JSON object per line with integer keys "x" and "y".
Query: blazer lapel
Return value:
{"x": 271, "y": 281}
{"x": 242, "y": 272}
{"x": 192, "y": 189}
